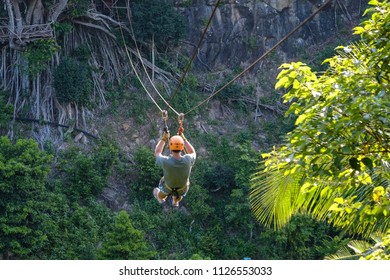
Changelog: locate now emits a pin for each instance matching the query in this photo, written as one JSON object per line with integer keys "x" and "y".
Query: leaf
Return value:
{"x": 364, "y": 178}
{"x": 301, "y": 119}
{"x": 368, "y": 162}
{"x": 354, "y": 162}
{"x": 377, "y": 193}
{"x": 337, "y": 162}
{"x": 359, "y": 246}
{"x": 373, "y": 2}
{"x": 342, "y": 254}
{"x": 334, "y": 207}
{"x": 358, "y": 30}
{"x": 296, "y": 84}
{"x": 283, "y": 82}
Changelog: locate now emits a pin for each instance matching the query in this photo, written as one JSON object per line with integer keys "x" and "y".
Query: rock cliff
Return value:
{"x": 242, "y": 30}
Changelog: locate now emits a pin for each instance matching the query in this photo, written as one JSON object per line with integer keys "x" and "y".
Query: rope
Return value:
{"x": 142, "y": 63}
{"x": 196, "y": 50}
{"x": 136, "y": 73}
{"x": 261, "y": 57}
{"x": 135, "y": 70}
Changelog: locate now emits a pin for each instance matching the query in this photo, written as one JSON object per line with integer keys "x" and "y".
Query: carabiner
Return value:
{"x": 164, "y": 115}
{"x": 181, "y": 118}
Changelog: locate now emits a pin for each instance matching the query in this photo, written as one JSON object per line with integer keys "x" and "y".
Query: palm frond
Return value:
{"x": 343, "y": 254}
{"x": 377, "y": 237}
{"x": 273, "y": 195}
{"x": 316, "y": 198}
{"x": 356, "y": 249}
{"x": 359, "y": 246}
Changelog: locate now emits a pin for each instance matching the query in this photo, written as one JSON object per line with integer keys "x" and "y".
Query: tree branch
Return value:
{"x": 96, "y": 27}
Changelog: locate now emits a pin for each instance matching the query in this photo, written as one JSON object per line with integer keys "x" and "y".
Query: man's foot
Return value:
{"x": 176, "y": 200}
{"x": 158, "y": 195}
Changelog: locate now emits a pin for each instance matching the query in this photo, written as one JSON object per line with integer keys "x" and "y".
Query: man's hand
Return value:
{"x": 182, "y": 136}
{"x": 165, "y": 136}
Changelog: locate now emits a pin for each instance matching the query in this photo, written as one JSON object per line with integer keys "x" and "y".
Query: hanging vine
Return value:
{"x": 42, "y": 67}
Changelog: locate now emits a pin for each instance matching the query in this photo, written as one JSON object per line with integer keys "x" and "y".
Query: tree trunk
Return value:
{"x": 57, "y": 10}
{"x": 37, "y": 16}
{"x": 18, "y": 17}
{"x": 30, "y": 10}
{"x": 11, "y": 23}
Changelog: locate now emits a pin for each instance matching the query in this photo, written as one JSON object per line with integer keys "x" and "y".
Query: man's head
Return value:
{"x": 176, "y": 144}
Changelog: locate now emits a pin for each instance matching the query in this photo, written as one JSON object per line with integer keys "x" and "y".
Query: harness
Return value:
{"x": 175, "y": 191}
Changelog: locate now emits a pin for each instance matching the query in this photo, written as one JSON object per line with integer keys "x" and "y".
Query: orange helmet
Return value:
{"x": 176, "y": 143}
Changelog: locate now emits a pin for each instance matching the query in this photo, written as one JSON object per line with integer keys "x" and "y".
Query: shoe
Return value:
{"x": 156, "y": 191}
{"x": 175, "y": 201}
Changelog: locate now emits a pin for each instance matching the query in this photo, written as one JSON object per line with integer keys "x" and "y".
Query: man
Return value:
{"x": 176, "y": 168}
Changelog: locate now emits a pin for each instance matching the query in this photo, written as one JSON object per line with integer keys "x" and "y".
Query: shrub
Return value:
{"x": 157, "y": 19}
{"x": 73, "y": 82}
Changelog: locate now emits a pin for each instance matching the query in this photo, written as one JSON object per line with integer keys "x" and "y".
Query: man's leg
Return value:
{"x": 176, "y": 200}
{"x": 160, "y": 197}
{"x": 157, "y": 192}
{"x": 178, "y": 197}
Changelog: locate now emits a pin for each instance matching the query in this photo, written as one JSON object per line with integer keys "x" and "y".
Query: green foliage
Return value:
{"x": 210, "y": 243}
{"x": 77, "y": 235}
{"x": 124, "y": 242}
{"x": 303, "y": 238}
{"x": 219, "y": 178}
{"x": 85, "y": 176}
{"x": 198, "y": 257}
{"x": 380, "y": 250}
{"x": 81, "y": 54}
{"x": 251, "y": 42}
{"x": 232, "y": 94}
{"x": 78, "y": 8}
{"x": 73, "y": 82}
{"x": 39, "y": 53}
{"x": 172, "y": 232}
{"x": 187, "y": 97}
{"x": 246, "y": 164}
{"x": 23, "y": 170}
{"x": 199, "y": 203}
{"x": 158, "y": 20}
{"x": 74, "y": 231}
{"x": 147, "y": 174}
{"x": 335, "y": 162}
{"x": 136, "y": 108}
{"x": 364, "y": 250}
{"x": 238, "y": 212}
{"x": 63, "y": 27}
{"x": 6, "y": 110}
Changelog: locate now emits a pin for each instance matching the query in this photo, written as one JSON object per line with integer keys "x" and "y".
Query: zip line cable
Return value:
{"x": 196, "y": 50}
{"x": 136, "y": 73}
{"x": 261, "y": 57}
{"x": 142, "y": 63}
{"x": 227, "y": 84}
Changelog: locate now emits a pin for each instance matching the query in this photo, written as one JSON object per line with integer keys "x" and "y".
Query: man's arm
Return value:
{"x": 189, "y": 148}
{"x": 160, "y": 145}
{"x": 159, "y": 148}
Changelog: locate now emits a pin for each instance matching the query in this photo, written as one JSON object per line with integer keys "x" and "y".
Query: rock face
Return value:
{"x": 242, "y": 30}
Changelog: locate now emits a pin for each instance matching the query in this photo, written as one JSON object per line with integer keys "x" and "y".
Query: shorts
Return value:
{"x": 169, "y": 191}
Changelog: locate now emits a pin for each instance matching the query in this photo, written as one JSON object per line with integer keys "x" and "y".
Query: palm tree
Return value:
{"x": 335, "y": 163}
